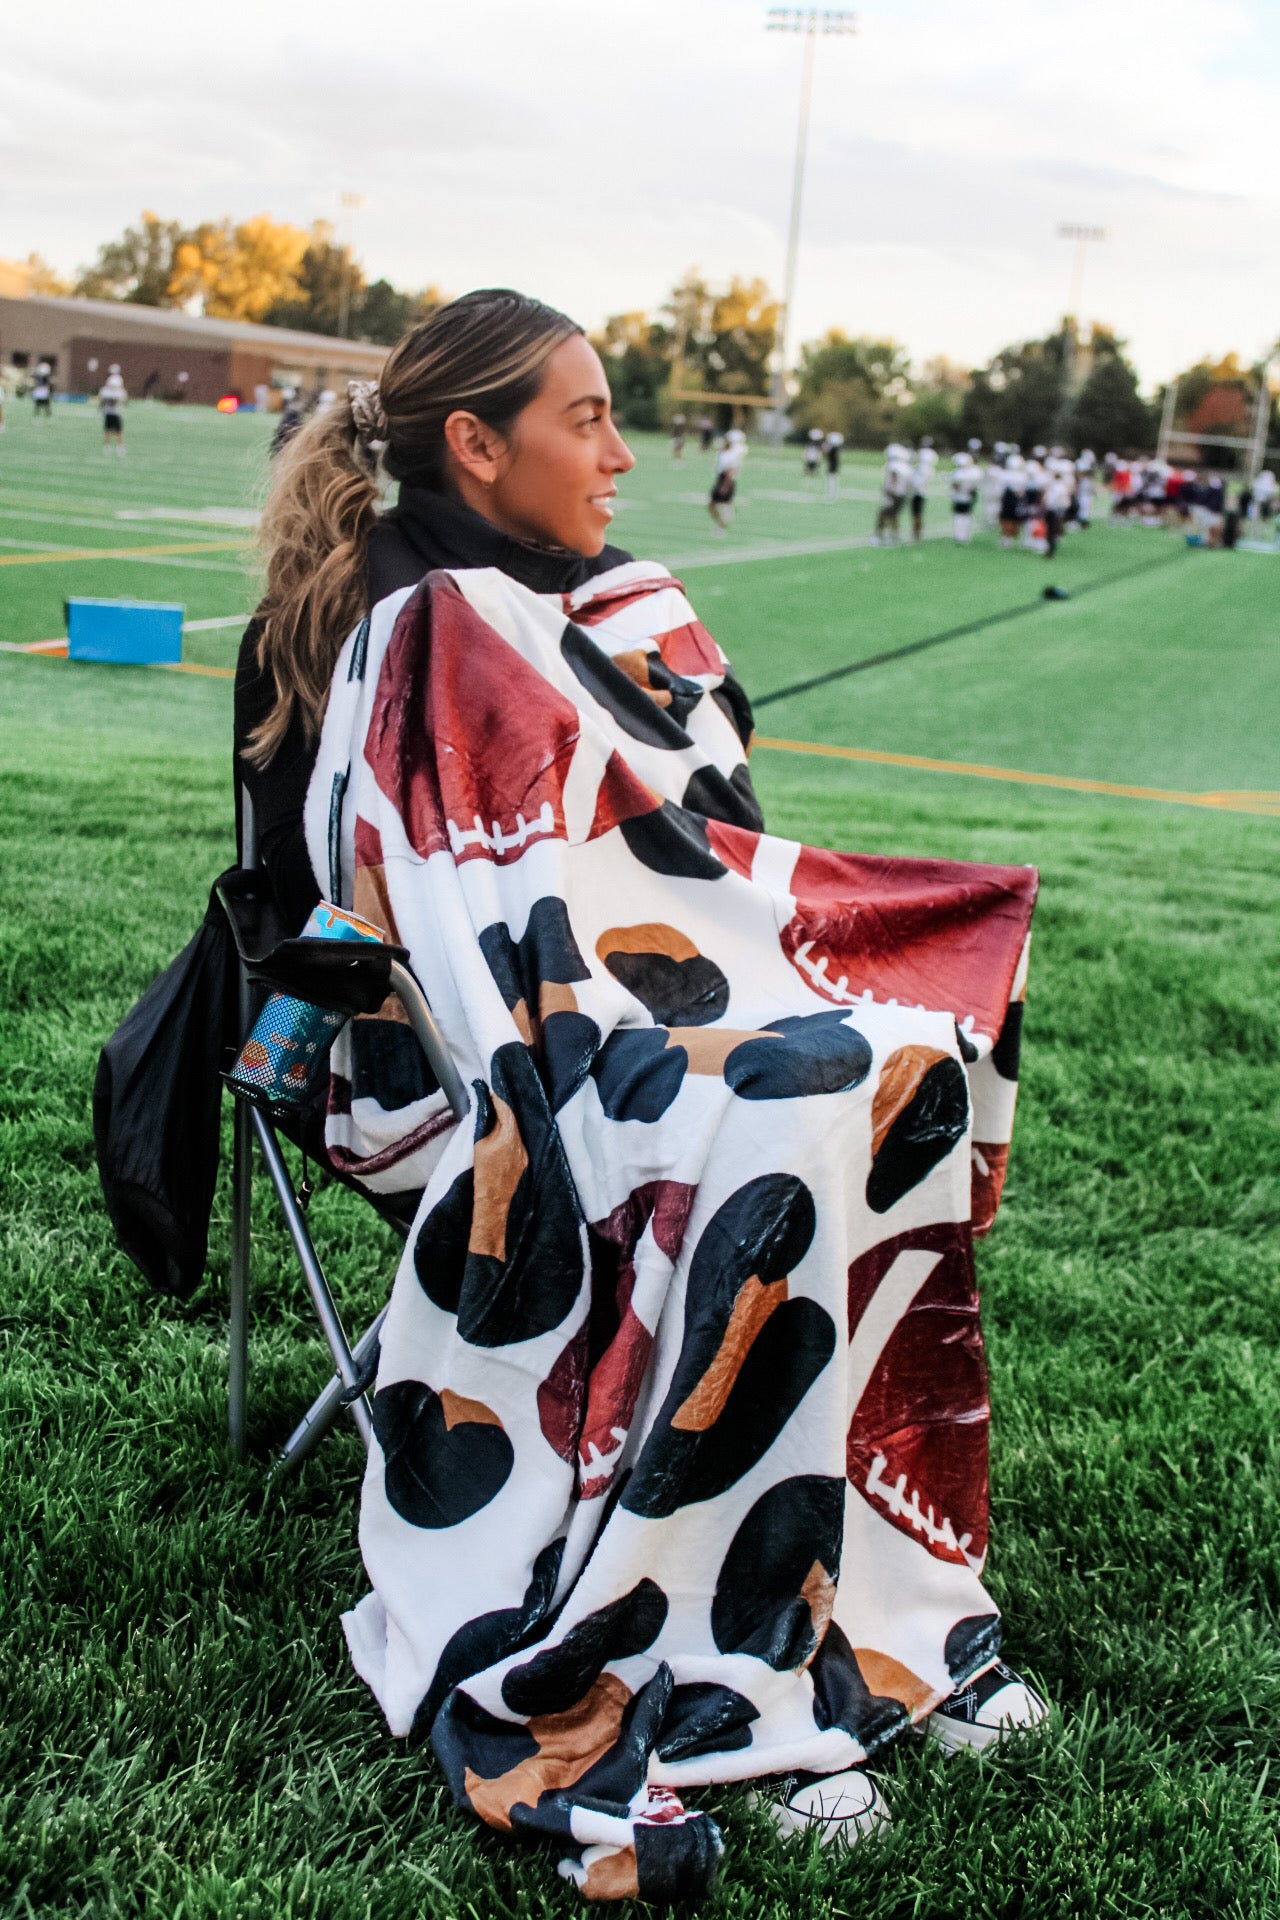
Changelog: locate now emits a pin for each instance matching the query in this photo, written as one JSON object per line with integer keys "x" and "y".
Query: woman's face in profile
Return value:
{"x": 555, "y": 482}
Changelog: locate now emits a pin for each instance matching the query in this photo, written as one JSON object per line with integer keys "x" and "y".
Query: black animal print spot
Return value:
{"x": 842, "y": 1698}
{"x": 440, "y": 1250}
{"x": 635, "y": 711}
{"x": 814, "y": 1053}
{"x": 749, "y": 1354}
{"x": 666, "y": 973}
{"x": 559, "y": 1676}
{"x": 921, "y": 1109}
{"x": 971, "y": 1643}
{"x": 490, "y": 1637}
{"x": 704, "y": 1717}
{"x": 637, "y": 1074}
{"x": 1006, "y": 1053}
{"x": 504, "y": 1247}
{"x": 535, "y": 976}
{"x": 445, "y": 1456}
{"x": 776, "y": 1587}
{"x": 717, "y": 798}
{"x": 669, "y": 840}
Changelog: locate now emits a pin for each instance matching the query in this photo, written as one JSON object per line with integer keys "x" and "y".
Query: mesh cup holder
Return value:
{"x": 280, "y": 1063}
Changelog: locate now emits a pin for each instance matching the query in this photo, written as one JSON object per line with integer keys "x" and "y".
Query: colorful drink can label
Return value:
{"x": 285, "y": 1053}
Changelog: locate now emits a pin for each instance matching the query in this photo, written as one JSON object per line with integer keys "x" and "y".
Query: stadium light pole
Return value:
{"x": 811, "y": 22}
{"x": 1084, "y": 237}
{"x": 1072, "y": 358}
{"x": 351, "y": 202}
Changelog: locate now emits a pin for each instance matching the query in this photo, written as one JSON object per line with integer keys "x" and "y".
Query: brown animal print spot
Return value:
{"x": 458, "y": 1409}
{"x": 635, "y": 664}
{"x": 900, "y": 1079}
{"x": 819, "y": 1595}
{"x": 569, "y": 1745}
{"x": 888, "y": 1677}
{"x": 751, "y": 1309}
{"x": 652, "y": 936}
{"x": 613, "y": 1876}
{"x": 500, "y": 1159}
{"x": 708, "y": 1048}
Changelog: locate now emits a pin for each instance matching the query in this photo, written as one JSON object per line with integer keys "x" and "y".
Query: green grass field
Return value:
{"x": 181, "y": 1732}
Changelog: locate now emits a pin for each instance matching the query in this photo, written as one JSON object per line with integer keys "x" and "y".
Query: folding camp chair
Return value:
{"x": 347, "y": 977}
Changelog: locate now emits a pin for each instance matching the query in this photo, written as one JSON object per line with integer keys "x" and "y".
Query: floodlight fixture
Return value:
{"x": 812, "y": 22}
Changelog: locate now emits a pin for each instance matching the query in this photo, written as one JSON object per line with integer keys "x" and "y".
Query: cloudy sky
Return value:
{"x": 590, "y": 150}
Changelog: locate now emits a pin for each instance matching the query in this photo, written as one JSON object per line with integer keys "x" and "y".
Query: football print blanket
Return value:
{"x": 680, "y": 1471}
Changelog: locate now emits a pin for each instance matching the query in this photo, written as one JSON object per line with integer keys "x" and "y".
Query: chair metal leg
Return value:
{"x": 238, "y": 1317}
{"x": 324, "y": 1410}
{"x": 313, "y": 1272}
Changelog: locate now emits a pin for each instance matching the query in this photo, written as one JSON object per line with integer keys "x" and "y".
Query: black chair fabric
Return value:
{"x": 157, "y": 1107}
{"x": 157, "y": 1093}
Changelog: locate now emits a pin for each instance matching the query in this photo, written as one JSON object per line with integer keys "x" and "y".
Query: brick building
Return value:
{"x": 82, "y": 338}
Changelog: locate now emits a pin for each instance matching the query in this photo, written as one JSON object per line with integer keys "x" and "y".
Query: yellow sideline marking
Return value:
{"x": 119, "y": 553}
{"x": 1258, "y": 802}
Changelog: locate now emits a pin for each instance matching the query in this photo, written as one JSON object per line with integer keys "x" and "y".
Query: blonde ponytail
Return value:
{"x": 315, "y": 528}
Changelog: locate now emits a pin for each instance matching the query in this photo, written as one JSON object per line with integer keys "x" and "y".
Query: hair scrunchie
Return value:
{"x": 371, "y": 424}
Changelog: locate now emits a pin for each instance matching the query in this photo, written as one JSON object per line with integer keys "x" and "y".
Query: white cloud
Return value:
{"x": 591, "y": 150}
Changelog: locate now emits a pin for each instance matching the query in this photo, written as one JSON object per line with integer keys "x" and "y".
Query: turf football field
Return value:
{"x": 181, "y": 1733}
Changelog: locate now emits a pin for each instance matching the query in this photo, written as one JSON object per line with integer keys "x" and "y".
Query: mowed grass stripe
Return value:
{"x": 961, "y": 632}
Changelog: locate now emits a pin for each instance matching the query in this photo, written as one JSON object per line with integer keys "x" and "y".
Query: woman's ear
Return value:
{"x": 477, "y": 449}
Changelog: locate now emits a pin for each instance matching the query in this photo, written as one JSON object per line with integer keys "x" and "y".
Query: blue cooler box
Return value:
{"x": 135, "y": 633}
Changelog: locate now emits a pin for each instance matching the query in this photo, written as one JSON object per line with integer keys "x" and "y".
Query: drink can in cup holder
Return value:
{"x": 281, "y": 1061}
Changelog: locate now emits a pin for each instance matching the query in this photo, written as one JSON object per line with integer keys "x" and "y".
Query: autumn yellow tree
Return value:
{"x": 239, "y": 272}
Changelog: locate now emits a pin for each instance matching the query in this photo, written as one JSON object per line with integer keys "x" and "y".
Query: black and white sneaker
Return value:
{"x": 841, "y": 1808}
{"x": 996, "y": 1703}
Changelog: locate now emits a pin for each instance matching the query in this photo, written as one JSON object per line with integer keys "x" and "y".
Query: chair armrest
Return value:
{"x": 343, "y": 976}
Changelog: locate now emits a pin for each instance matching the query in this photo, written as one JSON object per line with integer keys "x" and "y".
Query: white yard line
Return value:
{"x": 102, "y": 526}
{"x": 786, "y": 550}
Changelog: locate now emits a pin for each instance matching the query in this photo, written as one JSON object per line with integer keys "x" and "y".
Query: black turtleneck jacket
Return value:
{"x": 425, "y": 530}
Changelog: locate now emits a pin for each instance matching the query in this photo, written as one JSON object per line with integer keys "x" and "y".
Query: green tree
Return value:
{"x": 938, "y": 390}
{"x": 1018, "y": 395}
{"x": 326, "y": 275}
{"x": 138, "y": 267}
{"x": 637, "y": 353}
{"x": 1108, "y": 413}
{"x": 859, "y": 387}
{"x": 385, "y": 313}
{"x": 1027, "y": 394}
{"x": 725, "y": 339}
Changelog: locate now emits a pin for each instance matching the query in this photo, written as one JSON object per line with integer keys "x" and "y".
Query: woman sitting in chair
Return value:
{"x": 679, "y": 1471}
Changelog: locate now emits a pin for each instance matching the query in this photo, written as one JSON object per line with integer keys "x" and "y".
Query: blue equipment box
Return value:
{"x": 135, "y": 633}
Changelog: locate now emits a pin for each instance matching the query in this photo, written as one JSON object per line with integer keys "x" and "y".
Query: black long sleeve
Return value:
{"x": 278, "y": 791}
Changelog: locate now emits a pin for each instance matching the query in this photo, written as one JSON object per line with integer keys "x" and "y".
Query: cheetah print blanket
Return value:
{"x": 680, "y": 1469}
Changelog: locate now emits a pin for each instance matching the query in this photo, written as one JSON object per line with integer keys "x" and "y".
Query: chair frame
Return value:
{"x": 353, "y": 1365}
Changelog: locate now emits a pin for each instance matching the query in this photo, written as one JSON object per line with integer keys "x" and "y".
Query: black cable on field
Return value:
{"x": 953, "y": 633}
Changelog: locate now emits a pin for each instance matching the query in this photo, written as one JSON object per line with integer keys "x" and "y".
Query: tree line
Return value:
{"x": 1080, "y": 390}
{"x": 258, "y": 269}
